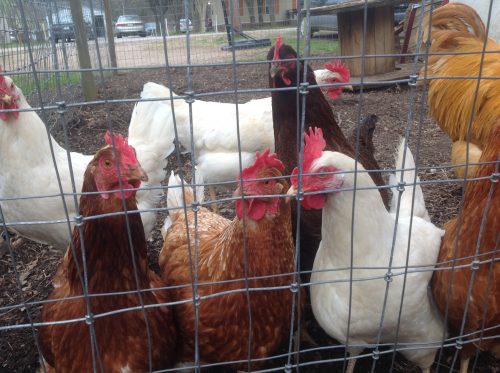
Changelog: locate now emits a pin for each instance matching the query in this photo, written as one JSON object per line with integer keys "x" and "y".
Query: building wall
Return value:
{"x": 282, "y": 10}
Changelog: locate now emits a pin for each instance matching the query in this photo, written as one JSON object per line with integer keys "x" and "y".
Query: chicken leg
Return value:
{"x": 464, "y": 364}
{"x": 213, "y": 198}
{"x": 353, "y": 353}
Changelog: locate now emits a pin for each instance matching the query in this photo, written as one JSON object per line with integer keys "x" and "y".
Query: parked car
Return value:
{"x": 129, "y": 25}
{"x": 150, "y": 28}
{"x": 183, "y": 25}
{"x": 328, "y": 22}
{"x": 66, "y": 31}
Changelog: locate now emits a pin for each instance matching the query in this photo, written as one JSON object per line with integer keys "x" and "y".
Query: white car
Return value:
{"x": 183, "y": 25}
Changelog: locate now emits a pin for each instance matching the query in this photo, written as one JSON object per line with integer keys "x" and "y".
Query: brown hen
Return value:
{"x": 121, "y": 341}
{"x": 267, "y": 258}
{"x": 473, "y": 239}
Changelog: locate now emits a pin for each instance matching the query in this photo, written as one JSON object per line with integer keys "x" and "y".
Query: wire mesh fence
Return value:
{"x": 221, "y": 269}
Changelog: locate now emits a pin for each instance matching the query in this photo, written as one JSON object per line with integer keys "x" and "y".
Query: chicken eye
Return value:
{"x": 12, "y": 85}
{"x": 107, "y": 163}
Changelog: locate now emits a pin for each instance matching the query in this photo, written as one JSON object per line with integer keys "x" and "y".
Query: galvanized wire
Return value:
{"x": 38, "y": 62}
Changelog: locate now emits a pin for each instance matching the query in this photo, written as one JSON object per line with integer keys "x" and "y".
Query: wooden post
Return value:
{"x": 379, "y": 39}
{"x": 88, "y": 83}
{"x": 109, "y": 34}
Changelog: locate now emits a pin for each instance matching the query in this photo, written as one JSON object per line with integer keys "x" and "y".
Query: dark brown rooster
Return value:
{"x": 318, "y": 113}
{"x": 121, "y": 339}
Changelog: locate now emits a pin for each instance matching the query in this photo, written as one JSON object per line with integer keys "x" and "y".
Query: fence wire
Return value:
{"x": 372, "y": 269}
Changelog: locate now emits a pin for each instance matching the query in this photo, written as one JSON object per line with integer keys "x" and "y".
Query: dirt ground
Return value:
{"x": 34, "y": 264}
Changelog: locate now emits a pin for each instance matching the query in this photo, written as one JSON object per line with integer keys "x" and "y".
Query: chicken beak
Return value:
{"x": 274, "y": 70}
{"x": 292, "y": 192}
{"x": 138, "y": 173}
{"x": 7, "y": 99}
{"x": 348, "y": 88}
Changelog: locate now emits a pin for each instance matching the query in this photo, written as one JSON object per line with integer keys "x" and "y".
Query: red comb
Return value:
{"x": 277, "y": 48}
{"x": 314, "y": 145}
{"x": 121, "y": 145}
{"x": 262, "y": 160}
{"x": 340, "y": 68}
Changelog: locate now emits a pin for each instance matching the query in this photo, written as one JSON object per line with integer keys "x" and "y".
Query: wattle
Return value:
{"x": 334, "y": 93}
{"x": 255, "y": 209}
{"x": 314, "y": 201}
{"x": 126, "y": 193}
{"x": 5, "y": 116}
{"x": 125, "y": 185}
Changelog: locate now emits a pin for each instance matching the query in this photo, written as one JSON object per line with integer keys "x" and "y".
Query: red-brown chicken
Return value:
{"x": 318, "y": 113}
{"x": 121, "y": 341}
{"x": 472, "y": 240}
{"x": 224, "y": 320}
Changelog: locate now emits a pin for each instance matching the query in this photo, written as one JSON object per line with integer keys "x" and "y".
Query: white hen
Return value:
{"x": 215, "y": 130}
{"x": 372, "y": 242}
{"x": 27, "y": 168}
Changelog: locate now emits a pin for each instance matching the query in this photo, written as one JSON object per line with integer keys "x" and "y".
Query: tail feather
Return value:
{"x": 174, "y": 193}
{"x": 456, "y": 17}
{"x": 459, "y": 157}
{"x": 408, "y": 176}
{"x": 200, "y": 189}
{"x": 175, "y": 202}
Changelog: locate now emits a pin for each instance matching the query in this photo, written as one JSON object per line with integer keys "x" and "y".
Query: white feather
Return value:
{"x": 174, "y": 193}
{"x": 408, "y": 176}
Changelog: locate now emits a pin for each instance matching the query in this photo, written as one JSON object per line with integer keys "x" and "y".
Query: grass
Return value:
{"x": 47, "y": 81}
{"x": 317, "y": 46}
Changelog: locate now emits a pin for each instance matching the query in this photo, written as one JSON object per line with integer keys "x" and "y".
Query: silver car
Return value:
{"x": 129, "y": 25}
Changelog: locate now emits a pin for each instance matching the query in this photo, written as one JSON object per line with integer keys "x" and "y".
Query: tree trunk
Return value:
{"x": 88, "y": 83}
{"x": 197, "y": 11}
{"x": 109, "y": 34}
